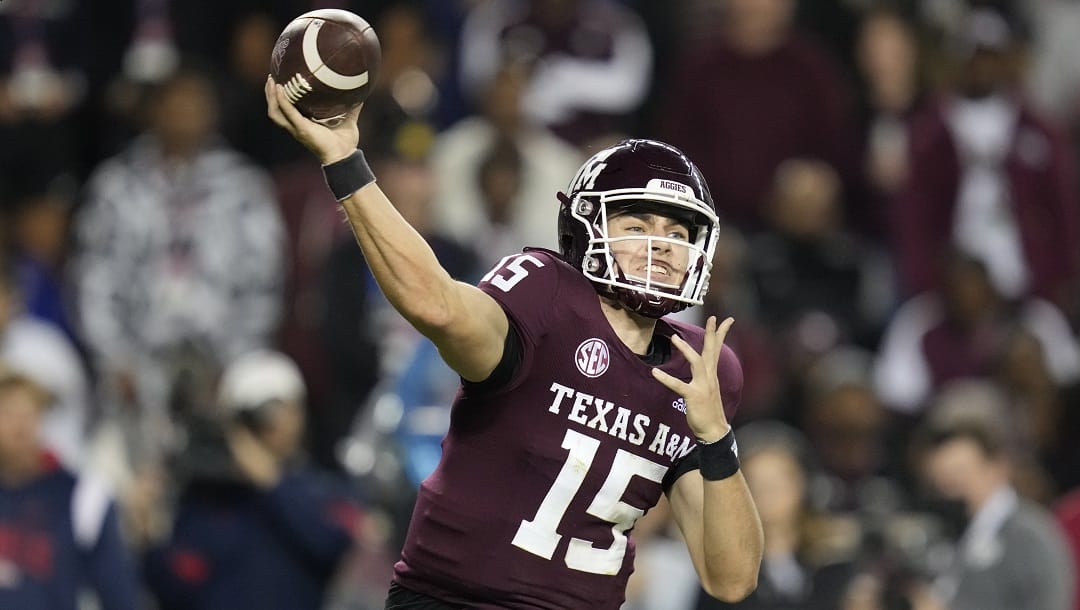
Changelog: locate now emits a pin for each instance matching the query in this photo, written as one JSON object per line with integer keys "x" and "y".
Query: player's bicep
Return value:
{"x": 472, "y": 344}
{"x": 521, "y": 286}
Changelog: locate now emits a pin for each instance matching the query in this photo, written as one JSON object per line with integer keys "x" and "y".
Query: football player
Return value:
{"x": 579, "y": 402}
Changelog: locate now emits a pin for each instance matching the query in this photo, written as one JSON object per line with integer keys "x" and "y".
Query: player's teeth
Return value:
{"x": 658, "y": 269}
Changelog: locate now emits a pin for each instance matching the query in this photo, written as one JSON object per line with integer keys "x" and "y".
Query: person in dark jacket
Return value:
{"x": 263, "y": 532}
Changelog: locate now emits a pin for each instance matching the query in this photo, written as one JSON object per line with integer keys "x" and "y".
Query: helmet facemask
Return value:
{"x": 652, "y": 295}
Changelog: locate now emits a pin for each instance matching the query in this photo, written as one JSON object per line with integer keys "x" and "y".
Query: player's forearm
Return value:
{"x": 732, "y": 539}
{"x": 401, "y": 261}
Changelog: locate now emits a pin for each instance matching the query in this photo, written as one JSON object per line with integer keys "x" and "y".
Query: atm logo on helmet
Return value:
{"x": 592, "y": 357}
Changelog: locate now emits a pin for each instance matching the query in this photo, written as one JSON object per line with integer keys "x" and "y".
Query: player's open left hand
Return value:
{"x": 704, "y": 408}
{"x": 328, "y": 144}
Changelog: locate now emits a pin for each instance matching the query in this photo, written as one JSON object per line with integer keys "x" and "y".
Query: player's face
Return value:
{"x": 661, "y": 259}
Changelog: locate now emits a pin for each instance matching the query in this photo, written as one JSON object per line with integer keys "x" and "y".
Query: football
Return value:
{"x": 327, "y": 60}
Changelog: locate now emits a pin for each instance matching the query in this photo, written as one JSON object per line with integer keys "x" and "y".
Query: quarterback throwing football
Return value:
{"x": 579, "y": 402}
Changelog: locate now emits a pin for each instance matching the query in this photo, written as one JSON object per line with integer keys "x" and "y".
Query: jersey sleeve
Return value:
{"x": 729, "y": 374}
{"x": 525, "y": 285}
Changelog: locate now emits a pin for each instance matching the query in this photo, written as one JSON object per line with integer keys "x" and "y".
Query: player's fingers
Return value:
{"x": 715, "y": 336}
{"x": 273, "y": 108}
{"x": 675, "y": 385}
{"x": 271, "y": 97}
{"x": 689, "y": 353}
{"x": 720, "y": 336}
{"x": 291, "y": 114}
{"x": 708, "y": 346}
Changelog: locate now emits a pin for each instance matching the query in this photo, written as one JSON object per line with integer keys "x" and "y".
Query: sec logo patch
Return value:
{"x": 592, "y": 357}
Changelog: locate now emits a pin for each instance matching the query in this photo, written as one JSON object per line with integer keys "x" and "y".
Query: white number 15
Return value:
{"x": 517, "y": 271}
{"x": 540, "y": 536}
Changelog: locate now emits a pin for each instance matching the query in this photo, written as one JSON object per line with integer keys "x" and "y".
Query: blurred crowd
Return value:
{"x": 205, "y": 402}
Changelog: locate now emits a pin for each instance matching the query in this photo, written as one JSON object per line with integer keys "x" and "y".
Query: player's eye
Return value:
{"x": 679, "y": 235}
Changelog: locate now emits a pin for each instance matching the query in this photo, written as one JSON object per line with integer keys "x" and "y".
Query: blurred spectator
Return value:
{"x": 806, "y": 264}
{"x": 351, "y": 340}
{"x": 312, "y": 223}
{"x": 1042, "y": 407}
{"x": 805, "y": 564}
{"x": 396, "y": 442}
{"x": 756, "y": 95}
{"x": 961, "y": 331}
{"x": 1054, "y": 80}
{"x": 243, "y": 106}
{"x": 36, "y": 348}
{"x": 591, "y": 61}
{"x": 165, "y": 33}
{"x": 43, "y": 77}
{"x": 142, "y": 53}
{"x": 37, "y": 227}
{"x": 398, "y": 115}
{"x": 989, "y": 176}
{"x": 497, "y": 173}
{"x": 180, "y": 244}
{"x": 858, "y": 447}
{"x": 150, "y": 39}
{"x": 152, "y": 53}
{"x": 255, "y": 529}
{"x": 889, "y": 62}
{"x": 835, "y": 23}
{"x": 1011, "y": 554}
{"x": 731, "y": 293}
{"x": 59, "y": 531}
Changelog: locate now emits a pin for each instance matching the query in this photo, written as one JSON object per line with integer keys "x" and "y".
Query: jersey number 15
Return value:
{"x": 540, "y": 536}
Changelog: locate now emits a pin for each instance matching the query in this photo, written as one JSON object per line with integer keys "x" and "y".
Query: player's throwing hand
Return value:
{"x": 328, "y": 144}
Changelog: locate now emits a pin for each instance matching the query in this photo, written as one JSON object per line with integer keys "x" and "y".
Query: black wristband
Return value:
{"x": 720, "y": 459}
{"x": 348, "y": 175}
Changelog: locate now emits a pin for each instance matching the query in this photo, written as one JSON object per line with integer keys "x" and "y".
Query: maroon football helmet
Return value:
{"x": 646, "y": 176}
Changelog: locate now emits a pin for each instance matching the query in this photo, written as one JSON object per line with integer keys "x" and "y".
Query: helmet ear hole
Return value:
{"x": 592, "y": 264}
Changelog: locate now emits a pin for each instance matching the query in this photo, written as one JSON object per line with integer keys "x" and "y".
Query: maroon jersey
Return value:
{"x": 541, "y": 481}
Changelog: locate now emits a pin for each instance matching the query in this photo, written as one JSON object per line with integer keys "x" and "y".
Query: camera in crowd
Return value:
{"x": 207, "y": 402}
{"x": 904, "y": 551}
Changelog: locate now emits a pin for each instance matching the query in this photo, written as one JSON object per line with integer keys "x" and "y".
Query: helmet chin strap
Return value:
{"x": 637, "y": 301}
{"x": 619, "y": 305}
